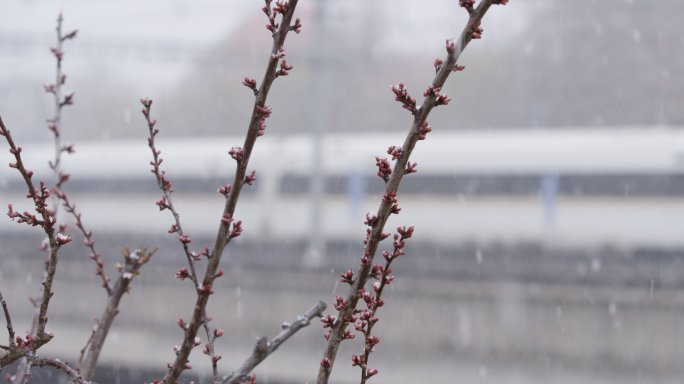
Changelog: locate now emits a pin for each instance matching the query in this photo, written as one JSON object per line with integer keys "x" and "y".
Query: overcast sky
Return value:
{"x": 121, "y": 37}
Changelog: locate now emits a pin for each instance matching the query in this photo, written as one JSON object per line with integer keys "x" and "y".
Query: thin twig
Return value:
{"x": 85, "y": 347}
{"x": 264, "y": 348}
{"x": 8, "y": 318}
{"x": 89, "y": 241}
{"x": 165, "y": 186}
{"x": 21, "y": 367}
{"x": 54, "y": 125}
{"x": 27, "y": 373}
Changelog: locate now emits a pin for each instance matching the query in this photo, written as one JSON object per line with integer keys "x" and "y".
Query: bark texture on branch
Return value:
{"x": 263, "y": 348}
{"x": 134, "y": 261}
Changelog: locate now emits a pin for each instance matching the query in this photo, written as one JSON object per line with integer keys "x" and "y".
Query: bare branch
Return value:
{"x": 165, "y": 185}
{"x": 10, "y": 330}
{"x": 56, "y": 363}
{"x": 134, "y": 261}
{"x": 264, "y": 348}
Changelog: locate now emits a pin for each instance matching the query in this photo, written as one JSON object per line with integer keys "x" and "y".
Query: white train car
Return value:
{"x": 586, "y": 187}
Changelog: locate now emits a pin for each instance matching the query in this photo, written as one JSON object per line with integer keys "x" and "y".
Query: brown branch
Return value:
{"x": 134, "y": 261}
{"x": 392, "y": 184}
{"x": 256, "y": 129}
{"x": 263, "y": 348}
{"x": 56, "y": 363}
{"x": 10, "y": 329}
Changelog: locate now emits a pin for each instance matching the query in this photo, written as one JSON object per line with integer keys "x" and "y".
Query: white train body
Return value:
{"x": 589, "y": 187}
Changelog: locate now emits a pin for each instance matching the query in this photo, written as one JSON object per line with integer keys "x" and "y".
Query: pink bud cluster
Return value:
{"x": 252, "y": 380}
{"x": 281, "y": 7}
{"x": 236, "y": 153}
{"x": 442, "y": 100}
{"x": 450, "y": 47}
{"x": 371, "y": 219}
{"x": 394, "y": 151}
{"x": 197, "y": 256}
{"x": 24, "y": 343}
{"x": 424, "y": 130}
{"x": 477, "y": 30}
{"x": 58, "y": 54}
{"x": 339, "y": 303}
{"x": 284, "y": 68}
{"x": 434, "y": 91}
{"x": 250, "y": 178}
{"x": 383, "y": 236}
{"x": 347, "y": 277}
{"x": 403, "y": 97}
{"x": 182, "y": 324}
{"x": 225, "y": 190}
{"x": 296, "y": 28}
{"x": 206, "y": 289}
{"x": 182, "y": 274}
{"x": 264, "y": 113}
{"x": 39, "y": 200}
{"x": 279, "y": 55}
{"x": 251, "y": 84}
{"x": 272, "y": 25}
{"x": 384, "y": 169}
{"x": 389, "y": 196}
{"x": 365, "y": 259}
{"x": 468, "y": 5}
{"x": 62, "y": 178}
{"x": 237, "y": 226}
{"x": 410, "y": 168}
{"x": 52, "y": 127}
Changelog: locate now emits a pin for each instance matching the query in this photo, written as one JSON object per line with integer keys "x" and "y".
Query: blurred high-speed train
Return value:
{"x": 586, "y": 187}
